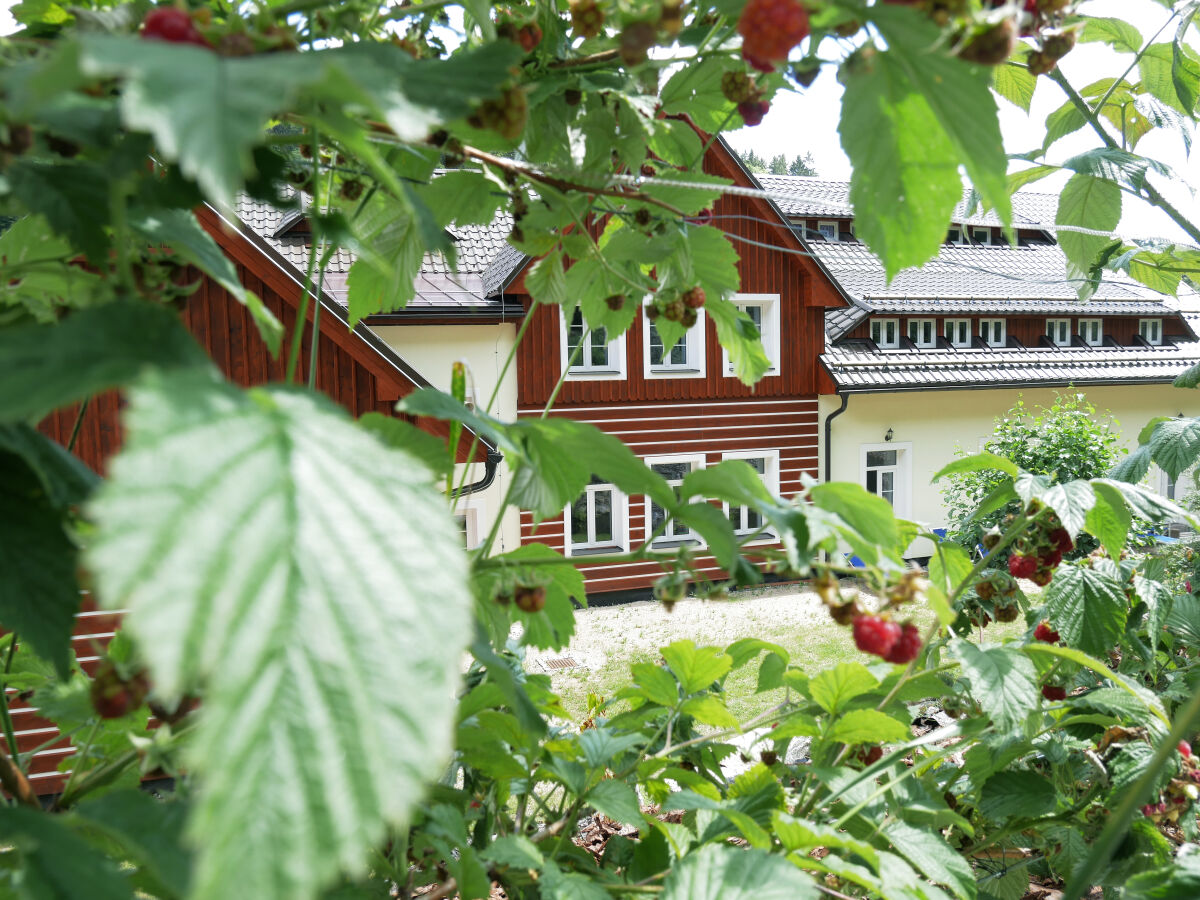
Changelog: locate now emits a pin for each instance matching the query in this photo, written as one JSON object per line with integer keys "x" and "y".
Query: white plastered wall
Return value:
{"x": 935, "y": 423}
{"x": 432, "y": 350}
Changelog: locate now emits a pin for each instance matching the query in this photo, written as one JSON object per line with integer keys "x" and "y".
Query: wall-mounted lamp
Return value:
{"x": 890, "y": 434}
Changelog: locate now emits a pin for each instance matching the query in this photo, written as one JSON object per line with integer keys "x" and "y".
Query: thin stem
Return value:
{"x": 82, "y": 756}
{"x": 316, "y": 325}
{"x": 604, "y": 56}
{"x": 78, "y": 422}
{"x": 1133, "y": 65}
{"x": 10, "y": 734}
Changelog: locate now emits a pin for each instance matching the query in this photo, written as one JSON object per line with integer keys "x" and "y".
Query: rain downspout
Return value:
{"x": 829, "y": 433}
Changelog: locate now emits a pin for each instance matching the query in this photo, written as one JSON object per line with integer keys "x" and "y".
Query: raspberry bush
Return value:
{"x": 337, "y": 688}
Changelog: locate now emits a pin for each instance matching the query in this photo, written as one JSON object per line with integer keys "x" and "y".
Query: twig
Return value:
{"x": 602, "y": 57}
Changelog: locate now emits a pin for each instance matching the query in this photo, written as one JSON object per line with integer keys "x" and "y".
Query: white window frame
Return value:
{"x": 769, "y": 304}
{"x": 1157, "y": 326}
{"x": 976, "y": 231}
{"x": 698, "y": 461}
{"x": 954, "y": 235}
{"x": 613, "y": 371}
{"x": 878, "y": 341}
{"x": 986, "y": 326}
{"x": 952, "y": 325}
{"x": 902, "y": 485}
{"x": 620, "y": 523}
{"x": 693, "y": 340}
{"x": 770, "y": 480}
{"x": 920, "y": 326}
{"x": 1059, "y": 332}
{"x": 1084, "y": 326}
{"x": 471, "y": 511}
{"x": 837, "y": 230}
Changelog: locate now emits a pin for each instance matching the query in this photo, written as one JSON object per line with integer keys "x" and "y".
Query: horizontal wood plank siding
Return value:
{"x": 710, "y": 429}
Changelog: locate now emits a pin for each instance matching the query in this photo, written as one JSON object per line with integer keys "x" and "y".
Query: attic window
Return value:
{"x": 1092, "y": 331}
{"x": 828, "y": 230}
{"x": 1059, "y": 332}
{"x": 981, "y": 235}
{"x": 993, "y": 332}
{"x": 922, "y": 332}
{"x": 1150, "y": 330}
{"x": 958, "y": 332}
{"x": 954, "y": 236}
{"x": 886, "y": 333}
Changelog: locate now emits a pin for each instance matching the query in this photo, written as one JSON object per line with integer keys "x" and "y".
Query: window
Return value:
{"x": 886, "y": 333}
{"x": 1092, "y": 331}
{"x": 1059, "y": 332}
{"x": 993, "y": 332}
{"x": 684, "y": 360}
{"x": 922, "y": 332}
{"x": 467, "y": 519}
{"x": 674, "y": 469}
{"x": 763, "y": 310}
{"x": 598, "y": 357}
{"x": 958, "y": 332}
{"x": 981, "y": 235}
{"x": 744, "y": 519}
{"x": 1151, "y": 330}
{"x": 954, "y": 236}
{"x": 828, "y": 230}
{"x": 886, "y": 473}
{"x": 597, "y": 519}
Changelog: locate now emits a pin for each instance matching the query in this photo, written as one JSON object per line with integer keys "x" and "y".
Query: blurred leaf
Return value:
{"x": 56, "y": 864}
{"x": 717, "y": 872}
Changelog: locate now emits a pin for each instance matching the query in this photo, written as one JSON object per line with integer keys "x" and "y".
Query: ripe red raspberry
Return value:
{"x": 770, "y": 29}
{"x": 870, "y": 755}
{"x": 529, "y": 36}
{"x": 1054, "y": 692}
{"x": 704, "y": 217}
{"x": 1050, "y": 559}
{"x": 1185, "y": 749}
{"x": 873, "y": 634}
{"x": 1061, "y": 539}
{"x": 905, "y": 649}
{"x": 113, "y": 696}
{"x": 1045, "y": 633}
{"x": 171, "y": 24}
{"x": 752, "y": 111}
{"x": 1020, "y": 566}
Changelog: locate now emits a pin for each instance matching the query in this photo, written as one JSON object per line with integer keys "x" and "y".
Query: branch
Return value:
{"x": 602, "y": 57}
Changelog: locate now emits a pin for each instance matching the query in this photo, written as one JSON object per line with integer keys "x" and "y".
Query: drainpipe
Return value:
{"x": 829, "y": 433}
{"x": 490, "y": 465}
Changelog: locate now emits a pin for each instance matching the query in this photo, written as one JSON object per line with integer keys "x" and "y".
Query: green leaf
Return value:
{"x": 1185, "y": 65}
{"x": 558, "y": 885}
{"x": 718, "y": 872}
{"x": 71, "y": 194}
{"x": 401, "y": 435}
{"x": 65, "y": 479}
{"x": 1117, "y": 33}
{"x": 709, "y": 710}
{"x": 696, "y": 667}
{"x": 546, "y": 280}
{"x": 714, "y": 528}
{"x": 655, "y": 684}
{"x": 949, "y": 567}
{"x": 1087, "y": 606}
{"x": 928, "y": 851}
{"x": 1067, "y": 119}
{"x": 617, "y": 800}
{"x": 1095, "y": 204}
{"x": 905, "y": 172}
{"x": 978, "y": 462}
{"x": 1071, "y": 502}
{"x": 149, "y": 830}
{"x": 1002, "y": 680}
{"x": 1146, "y": 503}
{"x": 1015, "y": 84}
{"x": 178, "y": 230}
{"x": 1175, "y": 445}
{"x": 800, "y": 834}
{"x": 1109, "y": 519}
{"x": 535, "y": 563}
{"x": 92, "y": 350}
{"x": 38, "y": 593}
{"x": 695, "y": 91}
{"x": 1158, "y": 69}
{"x": 740, "y": 338}
{"x": 732, "y": 480}
{"x": 382, "y": 278}
{"x": 226, "y": 529}
{"x": 1017, "y": 793}
{"x": 833, "y": 688}
{"x": 1133, "y": 468}
{"x": 1189, "y": 379}
{"x": 867, "y": 726}
{"x": 440, "y": 405}
{"x": 1117, "y": 165}
{"x": 870, "y": 516}
{"x": 55, "y": 863}
{"x": 515, "y": 851}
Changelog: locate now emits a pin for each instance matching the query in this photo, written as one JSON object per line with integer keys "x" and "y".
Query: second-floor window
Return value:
{"x": 958, "y": 332}
{"x": 1059, "y": 332}
{"x": 993, "y": 332}
{"x": 886, "y": 333}
{"x": 1092, "y": 331}
{"x": 685, "y": 359}
{"x": 922, "y": 332}
{"x": 1151, "y": 330}
{"x": 763, "y": 310}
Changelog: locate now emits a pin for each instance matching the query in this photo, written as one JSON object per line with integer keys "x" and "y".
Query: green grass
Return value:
{"x": 815, "y": 646}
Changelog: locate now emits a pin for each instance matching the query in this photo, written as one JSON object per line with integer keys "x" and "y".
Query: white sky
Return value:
{"x": 807, "y": 122}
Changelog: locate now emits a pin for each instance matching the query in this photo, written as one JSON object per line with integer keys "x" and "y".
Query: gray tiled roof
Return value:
{"x": 857, "y": 367}
{"x": 799, "y": 195}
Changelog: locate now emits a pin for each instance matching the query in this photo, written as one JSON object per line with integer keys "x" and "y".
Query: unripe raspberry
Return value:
{"x": 615, "y": 301}
{"x": 736, "y": 86}
{"x": 587, "y": 18}
{"x": 805, "y": 75}
{"x": 1042, "y": 576}
{"x": 236, "y": 43}
{"x": 670, "y": 19}
{"x": 752, "y": 111}
{"x": 693, "y": 297}
{"x": 652, "y": 311}
{"x": 636, "y": 39}
{"x": 844, "y": 613}
{"x": 529, "y": 36}
{"x": 985, "y": 590}
{"x": 673, "y": 311}
{"x": 907, "y": 647}
{"x": 873, "y": 634}
{"x": 572, "y": 96}
{"x": 769, "y": 757}
{"x": 689, "y": 318}
{"x": 847, "y": 29}
{"x": 770, "y": 29}
{"x": 1007, "y": 613}
{"x": 1058, "y": 44}
{"x": 991, "y": 46}
{"x": 530, "y": 598}
{"x": 351, "y": 189}
{"x": 506, "y": 115}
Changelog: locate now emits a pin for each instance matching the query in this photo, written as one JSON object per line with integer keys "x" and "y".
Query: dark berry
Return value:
{"x": 769, "y": 757}
{"x": 986, "y": 590}
{"x": 642, "y": 217}
{"x": 1061, "y": 539}
{"x": 114, "y": 696}
{"x": 805, "y": 75}
{"x": 870, "y": 755}
{"x": 171, "y": 24}
{"x": 530, "y": 598}
{"x": 587, "y": 18}
{"x": 351, "y": 189}
{"x": 694, "y": 297}
{"x": 1020, "y": 566}
{"x": 506, "y": 115}
{"x": 1054, "y": 692}
{"x": 1045, "y": 633}
{"x": 905, "y": 649}
{"x": 991, "y": 46}
{"x": 636, "y": 39}
{"x": 615, "y": 301}
{"x": 1007, "y": 613}
{"x": 652, "y": 311}
{"x": 752, "y": 111}
{"x": 529, "y": 36}
{"x": 670, "y": 18}
{"x": 572, "y": 96}
{"x": 876, "y": 635}
{"x": 770, "y": 29}
{"x": 690, "y": 317}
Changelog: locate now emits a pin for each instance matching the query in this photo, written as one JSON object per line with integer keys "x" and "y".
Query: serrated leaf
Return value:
{"x": 1148, "y": 700}
{"x": 401, "y": 435}
{"x": 868, "y": 515}
{"x": 546, "y": 280}
{"x": 48, "y": 366}
{"x": 741, "y": 339}
{"x": 696, "y": 667}
{"x": 1175, "y": 445}
{"x": 709, "y": 710}
{"x": 799, "y": 834}
{"x": 1017, "y": 793}
{"x": 1117, "y": 33}
{"x": 1189, "y": 379}
{"x": 55, "y": 862}
{"x": 833, "y": 688}
{"x": 224, "y": 529}
{"x": 617, "y": 800}
{"x": 1157, "y": 69}
{"x": 514, "y": 850}
{"x": 1071, "y": 502}
{"x": 65, "y": 479}
{"x": 695, "y": 91}
{"x": 1067, "y": 119}
{"x": 1095, "y": 204}
{"x": 1002, "y": 681}
{"x": 928, "y": 851}
{"x": 1087, "y": 607}
{"x": 149, "y": 830}
{"x": 655, "y": 684}
{"x": 1015, "y": 84}
{"x": 1108, "y": 521}
{"x": 382, "y": 278}
{"x": 71, "y": 194}
{"x": 718, "y": 872}
{"x": 867, "y": 726}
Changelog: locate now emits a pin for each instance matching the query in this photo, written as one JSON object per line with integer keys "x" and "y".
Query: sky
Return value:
{"x": 807, "y": 122}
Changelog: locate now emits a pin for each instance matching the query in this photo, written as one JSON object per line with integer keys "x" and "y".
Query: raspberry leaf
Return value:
{"x": 1109, "y": 519}
{"x": 1091, "y": 203}
{"x": 1087, "y": 607}
{"x": 834, "y": 688}
{"x": 1003, "y": 681}
{"x": 226, "y": 530}
{"x": 719, "y": 872}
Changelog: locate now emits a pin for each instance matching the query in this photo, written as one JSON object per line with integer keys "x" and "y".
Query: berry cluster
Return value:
{"x": 769, "y": 30}
{"x": 1180, "y": 791}
{"x": 680, "y": 308}
{"x": 505, "y": 115}
{"x": 587, "y": 18}
{"x": 996, "y": 596}
{"x": 1045, "y": 633}
{"x": 877, "y": 633}
{"x": 530, "y": 598}
{"x": 1039, "y": 551}
{"x": 739, "y": 87}
{"x": 114, "y": 695}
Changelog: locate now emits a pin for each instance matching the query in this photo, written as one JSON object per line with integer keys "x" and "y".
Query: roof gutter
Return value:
{"x": 829, "y": 434}
{"x": 1007, "y": 386}
{"x": 490, "y": 465}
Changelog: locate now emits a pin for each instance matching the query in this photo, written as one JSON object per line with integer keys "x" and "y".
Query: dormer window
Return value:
{"x": 886, "y": 333}
{"x": 981, "y": 235}
{"x": 1092, "y": 331}
{"x": 922, "y": 332}
{"x": 958, "y": 332}
{"x": 828, "y": 230}
{"x": 1150, "y": 330}
{"x": 1059, "y": 332}
{"x": 993, "y": 332}
{"x": 954, "y": 236}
